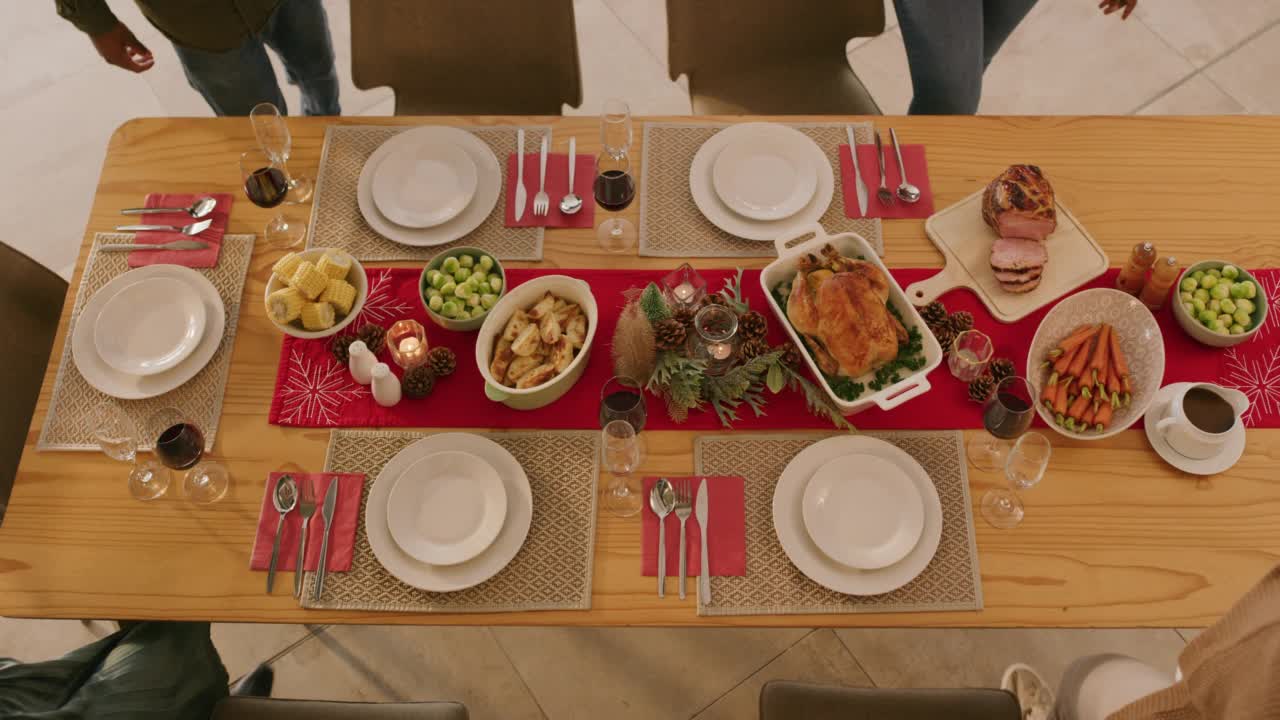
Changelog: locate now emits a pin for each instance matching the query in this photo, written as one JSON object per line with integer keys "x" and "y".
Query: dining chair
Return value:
{"x": 255, "y": 708}
{"x": 783, "y": 700}
{"x": 453, "y": 57}
{"x": 31, "y": 298}
{"x": 771, "y": 57}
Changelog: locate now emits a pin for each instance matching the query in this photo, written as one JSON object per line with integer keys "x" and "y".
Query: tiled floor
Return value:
{"x": 1174, "y": 56}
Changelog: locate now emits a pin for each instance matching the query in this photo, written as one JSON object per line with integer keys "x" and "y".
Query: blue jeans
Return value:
{"x": 232, "y": 82}
{"x": 949, "y": 45}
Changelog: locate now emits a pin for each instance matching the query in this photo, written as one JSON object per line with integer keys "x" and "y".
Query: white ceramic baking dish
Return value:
{"x": 790, "y": 248}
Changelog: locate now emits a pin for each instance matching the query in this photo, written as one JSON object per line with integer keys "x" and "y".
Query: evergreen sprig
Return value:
{"x": 732, "y": 293}
{"x": 679, "y": 380}
{"x": 654, "y": 304}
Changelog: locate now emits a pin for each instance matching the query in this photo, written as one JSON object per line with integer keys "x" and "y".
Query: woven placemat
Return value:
{"x": 67, "y": 426}
{"x": 671, "y": 224}
{"x": 774, "y": 586}
{"x": 552, "y": 571}
{"x": 336, "y": 220}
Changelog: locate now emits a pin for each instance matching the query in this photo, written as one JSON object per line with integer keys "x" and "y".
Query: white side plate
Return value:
{"x": 447, "y": 508}
{"x": 149, "y": 326}
{"x": 766, "y": 175}
{"x": 863, "y": 511}
{"x": 424, "y": 185}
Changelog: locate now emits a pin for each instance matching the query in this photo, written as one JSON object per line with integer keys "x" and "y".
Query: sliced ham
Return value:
{"x": 1017, "y": 278}
{"x": 1018, "y": 255}
{"x": 1023, "y": 287}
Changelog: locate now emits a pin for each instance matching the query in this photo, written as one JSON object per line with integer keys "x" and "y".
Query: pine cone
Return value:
{"x": 442, "y": 361}
{"x": 791, "y": 357}
{"x": 340, "y": 345}
{"x": 752, "y": 325}
{"x": 669, "y": 334}
{"x": 1001, "y": 368}
{"x": 980, "y": 390}
{"x": 374, "y": 336}
{"x": 960, "y": 321}
{"x": 935, "y": 313}
{"x": 684, "y": 315}
{"x": 714, "y": 298}
{"x": 418, "y": 382}
{"x": 754, "y": 347}
{"x": 945, "y": 336}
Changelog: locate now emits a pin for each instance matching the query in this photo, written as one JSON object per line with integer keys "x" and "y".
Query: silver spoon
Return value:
{"x": 884, "y": 195}
{"x": 908, "y": 192}
{"x": 198, "y": 209}
{"x": 571, "y": 203}
{"x": 194, "y": 228}
{"x": 663, "y": 500}
{"x": 285, "y": 499}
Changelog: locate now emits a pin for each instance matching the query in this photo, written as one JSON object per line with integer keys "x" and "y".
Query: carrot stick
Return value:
{"x": 1122, "y": 364}
{"x": 1103, "y": 417}
{"x": 1098, "y": 361}
{"x": 1087, "y": 418}
{"x": 1113, "y": 378}
{"x": 1063, "y": 362}
{"x": 1076, "y": 411}
{"x": 1060, "y": 401}
{"x": 1078, "y": 364}
{"x": 1049, "y": 393}
{"x": 1077, "y": 338}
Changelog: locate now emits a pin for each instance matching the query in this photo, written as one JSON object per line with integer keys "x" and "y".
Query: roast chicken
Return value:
{"x": 838, "y": 304}
{"x": 1019, "y": 206}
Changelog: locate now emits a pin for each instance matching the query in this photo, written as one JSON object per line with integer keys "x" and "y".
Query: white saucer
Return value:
{"x": 765, "y": 175}
{"x": 446, "y": 508}
{"x": 425, "y": 184}
{"x": 1231, "y": 450}
{"x": 149, "y": 326}
{"x": 863, "y": 511}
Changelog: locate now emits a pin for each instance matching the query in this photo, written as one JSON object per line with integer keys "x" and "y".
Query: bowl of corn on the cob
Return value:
{"x": 315, "y": 293}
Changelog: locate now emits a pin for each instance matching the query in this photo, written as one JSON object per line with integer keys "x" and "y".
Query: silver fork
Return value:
{"x": 684, "y": 508}
{"x": 541, "y": 201}
{"x": 306, "y": 508}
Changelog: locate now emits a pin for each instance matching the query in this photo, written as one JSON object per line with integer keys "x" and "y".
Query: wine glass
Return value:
{"x": 117, "y": 436}
{"x": 622, "y": 452}
{"x": 1024, "y": 468}
{"x": 614, "y": 187}
{"x": 180, "y": 445}
{"x": 266, "y": 186}
{"x": 275, "y": 140}
{"x": 1006, "y": 415}
{"x": 622, "y": 398}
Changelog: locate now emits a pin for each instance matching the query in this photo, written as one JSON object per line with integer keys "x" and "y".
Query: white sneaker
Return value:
{"x": 1033, "y": 693}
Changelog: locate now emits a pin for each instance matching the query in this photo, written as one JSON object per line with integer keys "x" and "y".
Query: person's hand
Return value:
{"x": 120, "y": 47}
{"x": 1110, "y": 6}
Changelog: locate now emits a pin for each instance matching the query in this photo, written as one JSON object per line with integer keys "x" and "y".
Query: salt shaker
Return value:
{"x": 386, "y": 387}
{"x": 361, "y": 362}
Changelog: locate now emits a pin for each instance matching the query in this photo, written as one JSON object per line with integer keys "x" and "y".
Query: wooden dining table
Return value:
{"x": 1113, "y": 537}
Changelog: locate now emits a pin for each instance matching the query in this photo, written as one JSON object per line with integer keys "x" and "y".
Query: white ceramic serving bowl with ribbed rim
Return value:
{"x": 523, "y": 297}
{"x": 1203, "y": 334}
{"x": 850, "y": 245}
{"x": 355, "y": 276}
{"x": 1140, "y": 340}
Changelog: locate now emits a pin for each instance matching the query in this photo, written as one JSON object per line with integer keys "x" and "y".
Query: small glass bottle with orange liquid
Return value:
{"x": 1163, "y": 275}
{"x": 1134, "y": 274}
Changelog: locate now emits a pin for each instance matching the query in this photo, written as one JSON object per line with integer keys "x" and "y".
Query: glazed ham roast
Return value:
{"x": 1019, "y": 206}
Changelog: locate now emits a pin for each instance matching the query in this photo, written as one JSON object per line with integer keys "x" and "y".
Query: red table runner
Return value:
{"x": 314, "y": 390}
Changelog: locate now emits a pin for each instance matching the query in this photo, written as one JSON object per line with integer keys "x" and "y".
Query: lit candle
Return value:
{"x": 409, "y": 346}
{"x": 720, "y": 350}
{"x": 683, "y": 292}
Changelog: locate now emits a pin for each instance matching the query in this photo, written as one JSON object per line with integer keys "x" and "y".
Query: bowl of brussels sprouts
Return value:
{"x": 1219, "y": 304}
{"x": 459, "y": 286}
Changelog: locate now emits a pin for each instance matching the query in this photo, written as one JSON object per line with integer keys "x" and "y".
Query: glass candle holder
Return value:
{"x": 715, "y": 338}
{"x": 407, "y": 343}
{"x": 970, "y": 353}
{"x": 684, "y": 286}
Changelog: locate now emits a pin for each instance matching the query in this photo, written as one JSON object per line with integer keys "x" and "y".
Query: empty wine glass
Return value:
{"x": 274, "y": 138}
{"x": 266, "y": 185}
{"x": 615, "y": 187}
{"x": 622, "y": 452}
{"x": 1024, "y": 468}
{"x": 117, "y": 435}
{"x": 180, "y": 445}
{"x": 1007, "y": 414}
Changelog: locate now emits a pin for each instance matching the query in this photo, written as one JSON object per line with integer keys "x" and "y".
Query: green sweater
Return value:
{"x": 213, "y": 25}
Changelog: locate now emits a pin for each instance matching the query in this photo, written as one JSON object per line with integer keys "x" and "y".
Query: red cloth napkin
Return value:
{"x": 206, "y": 258}
{"x": 313, "y": 390}
{"x": 557, "y": 186}
{"x": 869, "y": 164}
{"x": 727, "y": 543}
{"x": 341, "y": 541}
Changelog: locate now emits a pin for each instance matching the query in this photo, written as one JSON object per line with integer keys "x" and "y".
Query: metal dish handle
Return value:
{"x": 784, "y": 243}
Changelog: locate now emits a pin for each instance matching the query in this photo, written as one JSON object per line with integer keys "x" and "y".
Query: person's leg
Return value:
{"x": 999, "y": 19}
{"x": 1093, "y": 687}
{"x": 945, "y": 52}
{"x": 299, "y": 32}
{"x": 232, "y": 82}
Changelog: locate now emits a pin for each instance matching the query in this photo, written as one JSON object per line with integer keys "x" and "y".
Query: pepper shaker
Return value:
{"x": 361, "y": 362}
{"x": 386, "y": 387}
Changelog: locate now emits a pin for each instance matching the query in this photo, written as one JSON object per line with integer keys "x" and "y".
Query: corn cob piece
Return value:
{"x": 286, "y": 266}
{"x": 335, "y": 264}
{"x": 317, "y": 316}
{"x": 340, "y": 294}
{"x": 309, "y": 281}
{"x": 285, "y": 305}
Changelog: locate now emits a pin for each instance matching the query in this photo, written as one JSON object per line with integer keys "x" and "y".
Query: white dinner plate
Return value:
{"x": 766, "y": 175}
{"x": 1228, "y": 456}
{"x": 425, "y": 184}
{"x": 488, "y": 187}
{"x": 149, "y": 326}
{"x": 450, "y": 578}
{"x": 863, "y": 511}
{"x": 713, "y": 208}
{"x": 446, "y": 508}
{"x": 137, "y": 387}
{"x": 788, "y": 522}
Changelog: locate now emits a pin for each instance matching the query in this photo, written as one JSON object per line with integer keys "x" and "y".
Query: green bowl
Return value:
{"x": 469, "y": 324}
{"x": 1203, "y": 334}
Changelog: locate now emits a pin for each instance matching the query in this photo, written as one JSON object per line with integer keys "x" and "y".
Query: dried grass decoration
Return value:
{"x": 634, "y": 349}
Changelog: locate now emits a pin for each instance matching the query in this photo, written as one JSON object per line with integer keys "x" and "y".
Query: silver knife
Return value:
{"x": 175, "y": 245}
{"x": 859, "y": 185}
{"x": 521, "y": 194}
{"x": 326, "y": 512}
{"x": 700, "y": 512}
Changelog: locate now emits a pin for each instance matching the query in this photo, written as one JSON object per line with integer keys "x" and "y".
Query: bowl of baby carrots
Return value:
{"x": 1096, "y": 363}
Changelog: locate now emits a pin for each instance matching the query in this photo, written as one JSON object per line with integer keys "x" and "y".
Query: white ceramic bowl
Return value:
{"x": 355, "y": 276}
{"x": 524, "y": 297}
{"x": 1140, "y": 340}
{"x": 450, "y": 323}
{"x": 1203, "y": 334}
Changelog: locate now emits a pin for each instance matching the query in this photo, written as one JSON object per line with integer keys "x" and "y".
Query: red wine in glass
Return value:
{"x": 266, "y": 187}
{"x": 180, "y": 446}
{"x": 1008, "y": 414}
{"x": 614, "y": 190}
{"x": 623, "y": 404}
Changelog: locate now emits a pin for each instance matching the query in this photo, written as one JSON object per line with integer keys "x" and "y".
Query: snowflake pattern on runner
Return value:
{"x": 315, "y": 392}
{"x": 1269, "y": 287}
{"x": 382, "y": 306}
{"x": 1258, "y": 378}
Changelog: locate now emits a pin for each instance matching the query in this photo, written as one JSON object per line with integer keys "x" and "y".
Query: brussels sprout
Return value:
{"x": 1251, "y": 290}
{"x": 1222, "y": 290}
{"x": 449, "y": 266}
{"x": 1242, "y": 317}
{"x": 1189, "y": 284}
{"x": 1246, "y": 305}
{"x": 1228, "y": 306}
{"x": 1226, "y": 320}
{"x": 435, "y": 303}
{"x": 1190, "y": 308}
{"x": 448, "y": 287}
{"x": 1218, "y": 327}
{"x": 1215, "y": 272}
{"x": 1238, "y": 290}
{"x": 1199, "y": 305}
{"x": 467, "y": 261}
{"x": 440, "y": 279}
{"x": 461, "y": 275}
{"x": 1215, "y": 305}
{"x": 463, "y": 291}
{"x": 495, "y": 283}
{"x": 1230, "y": 272}
{"x": 450, "y": 309}
{"x": 432, "y": 274}
{"x": 486, "y": 263}
{"x": 1208, "y": 282}
{"x": 488, "y": 300}
{"x": 478, "y": 312}
{"x": 1237, "y": 329}
{"x": 1198, "y": 275}
{"x": 1201, "y": 294}
{"x": 1185, "y": 297}
{"x": 1207, "y": 317}
{"x": 479, "y": 276}
{"x": 433, "y": 293}
{"x": 474, "y": 300}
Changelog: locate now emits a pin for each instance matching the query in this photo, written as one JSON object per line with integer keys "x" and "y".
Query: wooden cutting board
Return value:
{"x": 965, "y": 240}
